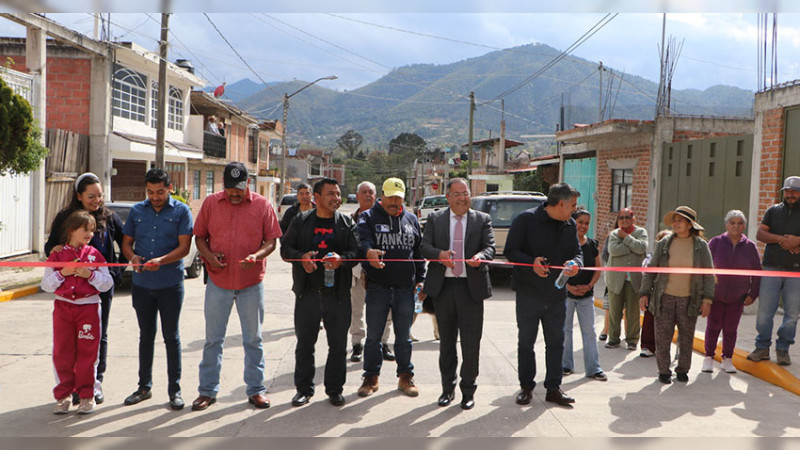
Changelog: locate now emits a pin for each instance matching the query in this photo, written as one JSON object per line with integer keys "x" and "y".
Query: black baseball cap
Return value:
{"x": 235, "y": 176}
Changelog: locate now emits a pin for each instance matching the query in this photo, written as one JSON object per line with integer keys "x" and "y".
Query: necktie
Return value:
{"x": 458, "y": 247}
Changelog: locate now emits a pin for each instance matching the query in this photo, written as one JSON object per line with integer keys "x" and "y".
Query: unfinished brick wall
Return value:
{"x": 772, "y": 132}
{"x": 604, "y": 217}
{"x": 68, "y": 86}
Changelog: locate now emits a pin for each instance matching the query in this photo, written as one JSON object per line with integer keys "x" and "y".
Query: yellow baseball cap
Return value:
{"x": 394, "y": 187}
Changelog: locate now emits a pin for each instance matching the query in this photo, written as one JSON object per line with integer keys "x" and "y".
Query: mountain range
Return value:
{"x": 433, "y": 100}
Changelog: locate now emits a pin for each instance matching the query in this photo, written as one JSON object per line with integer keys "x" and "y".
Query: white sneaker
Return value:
{"x": 86, "y": 406}
{"x": 708, "y": 364}
{"x": 646, "y": 353}
{"x": 727, "y": 365}
{"x": 62, "y": 406}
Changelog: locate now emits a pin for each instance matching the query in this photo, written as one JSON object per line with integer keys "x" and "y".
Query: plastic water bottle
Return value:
{"x": 329, "y": 274}
{"x": 417, "y": 301}
{"x": 561, "y": 281}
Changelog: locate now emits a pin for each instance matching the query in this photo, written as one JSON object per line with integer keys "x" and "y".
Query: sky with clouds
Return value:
{"x": 362, "y": 47}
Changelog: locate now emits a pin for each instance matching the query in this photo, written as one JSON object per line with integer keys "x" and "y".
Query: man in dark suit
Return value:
{"x": 460, "y": 239}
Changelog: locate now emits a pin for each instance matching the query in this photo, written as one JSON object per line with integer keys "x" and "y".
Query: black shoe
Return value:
{"x": 665, "y": 378}
{"x": 99, "y": 397}
{"x": 467, "y": 401}
{"x": 558, "y": 396}
{"x": 358, "y": 350}
{"x": 176, "y": 402}
{"x": 446, "y": 398}
{"x": 525, "y": 396}
{"x": 683, "y": 377}
{"x": 76, "y": 400}
{"x": 567, "y": 371}
{"x": 300, "y": 399}
{"x": 387, "y": 353}
{"x": 336, "y": 399}
{"x": 138, "y": 396}
{"x": 602, "y": 337}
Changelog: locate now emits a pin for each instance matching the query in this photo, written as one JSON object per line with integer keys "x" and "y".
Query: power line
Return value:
{"x": 594, "y": 29}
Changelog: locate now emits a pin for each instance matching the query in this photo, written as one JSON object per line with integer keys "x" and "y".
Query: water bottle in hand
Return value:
{"x": 329, "y": 273}
{"x": 417, "y": 301}
{"x": 561, "y": 281}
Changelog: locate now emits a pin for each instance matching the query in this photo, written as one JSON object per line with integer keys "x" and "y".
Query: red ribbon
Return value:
{"x": 667, "y": 270}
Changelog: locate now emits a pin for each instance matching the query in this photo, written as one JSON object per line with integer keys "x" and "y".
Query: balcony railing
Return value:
{"x": 213, "y": 145}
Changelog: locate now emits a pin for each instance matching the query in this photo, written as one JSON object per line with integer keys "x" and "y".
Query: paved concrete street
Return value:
{"x": 631, "y": 403}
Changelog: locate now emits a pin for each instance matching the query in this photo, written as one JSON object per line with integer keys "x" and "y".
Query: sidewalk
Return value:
{"x": 631, "y": 403}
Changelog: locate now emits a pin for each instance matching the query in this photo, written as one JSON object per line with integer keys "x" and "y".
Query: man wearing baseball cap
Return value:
{"x": 388, "y": 231}
{"x": 780, "y": 230}
{"x": 235, "y": 231}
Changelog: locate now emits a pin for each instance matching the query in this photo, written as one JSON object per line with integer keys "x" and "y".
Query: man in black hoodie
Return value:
{"x": 388, "y": 231}
{"x": 322, "y": 234}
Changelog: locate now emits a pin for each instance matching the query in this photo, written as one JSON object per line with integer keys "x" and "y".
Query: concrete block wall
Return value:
{"x": 68, "y": 87}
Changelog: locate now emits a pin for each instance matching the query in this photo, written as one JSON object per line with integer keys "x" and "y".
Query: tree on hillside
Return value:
{"x": 407, "y": 143}
{"x": 349, "y": 142}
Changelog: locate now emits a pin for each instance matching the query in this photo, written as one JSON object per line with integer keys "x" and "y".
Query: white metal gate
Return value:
{"x": 16, "y": 214}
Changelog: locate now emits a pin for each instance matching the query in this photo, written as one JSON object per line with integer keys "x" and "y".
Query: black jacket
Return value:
{"x": 400, "y": 238}
{"x": 533, "y": 233}
{"x": 297, "y": 241}
{"x": 290, "y": 214}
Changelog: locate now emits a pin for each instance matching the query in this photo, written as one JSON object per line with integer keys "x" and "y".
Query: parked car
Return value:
{"x": 286, "y": 201}
{"x": 428, "y": 205}
{"x": 351, "y": 198}
{"x": 504, "y": 207}
{"x": 191, "y": 262}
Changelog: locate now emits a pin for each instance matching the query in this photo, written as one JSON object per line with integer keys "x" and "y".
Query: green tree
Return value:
{"x": 407, "y": 143}
{"x": 349, "y": 142}
{"x": 20, "y": 148}
{"x": 529, "y": 181}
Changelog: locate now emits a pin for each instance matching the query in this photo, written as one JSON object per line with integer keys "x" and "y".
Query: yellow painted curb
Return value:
{"x": 765, "y": 370}
{"x": 18, "y": 292}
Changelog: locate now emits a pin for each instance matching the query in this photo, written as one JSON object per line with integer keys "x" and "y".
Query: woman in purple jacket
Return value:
{"x": 730, "y": 250}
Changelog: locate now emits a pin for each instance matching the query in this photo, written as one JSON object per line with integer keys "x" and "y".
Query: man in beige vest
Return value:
{"x": 627, "y": 247}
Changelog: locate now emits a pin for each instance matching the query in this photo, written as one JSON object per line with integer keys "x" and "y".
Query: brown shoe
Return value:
{"x": 406, "y": 384}
{"x": 369, "y": 386}
{"x": 202, "y": 402}
{"x": 259, "y": 401}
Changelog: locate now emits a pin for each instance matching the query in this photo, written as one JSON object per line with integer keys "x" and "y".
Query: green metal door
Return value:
{"x": 791, "y": 146}
{"x": 712, "y": 176}
{"x": 582, "y": 175}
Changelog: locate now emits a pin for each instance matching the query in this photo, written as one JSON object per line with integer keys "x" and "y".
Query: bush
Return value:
{"x": 20, "y": 148}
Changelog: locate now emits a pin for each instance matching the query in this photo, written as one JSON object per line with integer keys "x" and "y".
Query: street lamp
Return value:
{"x": 286, "y": 98}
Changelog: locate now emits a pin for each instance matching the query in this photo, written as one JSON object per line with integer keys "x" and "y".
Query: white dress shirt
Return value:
{"x": 448, "y": 273}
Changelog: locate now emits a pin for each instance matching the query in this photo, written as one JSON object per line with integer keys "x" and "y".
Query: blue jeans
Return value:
{"x": 772, "y": 289}
{"x": 380, "y": 300}
{"x": 149, "y": 304}
{"x": 250, "y": 307}
{"x": 585, "y": 309}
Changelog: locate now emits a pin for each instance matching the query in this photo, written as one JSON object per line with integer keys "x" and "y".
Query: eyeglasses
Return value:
{"x": 625, "y": 217}
{"x": 459, "y": 194}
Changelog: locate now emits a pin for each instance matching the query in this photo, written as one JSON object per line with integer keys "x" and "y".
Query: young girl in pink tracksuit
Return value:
{"x": 76, "y": 313}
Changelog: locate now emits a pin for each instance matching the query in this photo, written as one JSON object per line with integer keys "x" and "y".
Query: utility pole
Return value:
{"x": 600, "y": 94}
{"x": 163, "y": 87}
{"x": 283, "y": 145}
{"x": 502, "y": 161}
{"x": 471, "y": 122}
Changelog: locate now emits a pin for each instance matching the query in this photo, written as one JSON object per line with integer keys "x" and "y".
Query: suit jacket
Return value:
{"x": 479, "y": 238}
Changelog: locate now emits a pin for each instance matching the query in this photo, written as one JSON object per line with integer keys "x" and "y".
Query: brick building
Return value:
{"x": 642, "y": 164}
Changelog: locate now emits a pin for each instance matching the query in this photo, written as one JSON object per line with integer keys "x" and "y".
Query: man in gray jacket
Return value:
{"x": 627, "y": 247}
